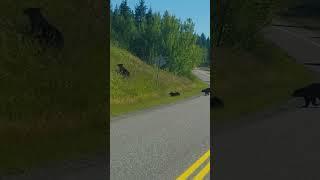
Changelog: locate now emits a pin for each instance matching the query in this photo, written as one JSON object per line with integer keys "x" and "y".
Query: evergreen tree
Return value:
{"x": 149, "y": 35}
{"x": 125, "y": 10}
{"x": 140, "y": 12}
{"x": 208, "y": 43}
{"x": 202, "y": 41}
{"x": 149, "y": 16}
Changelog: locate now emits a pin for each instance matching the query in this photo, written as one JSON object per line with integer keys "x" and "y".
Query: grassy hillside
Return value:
{"x": 142, "y": 89}
{"x": 53, "y": 105}
{"x": 250, "y": 81}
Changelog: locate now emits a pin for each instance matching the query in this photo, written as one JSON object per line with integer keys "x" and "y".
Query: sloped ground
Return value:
{"x": 146, "y": 86}
{"x": 52, "y": 104}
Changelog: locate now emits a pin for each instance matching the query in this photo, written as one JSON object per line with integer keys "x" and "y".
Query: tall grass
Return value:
{"x": 145, "y": 85}
{"x": 56, "y": 93}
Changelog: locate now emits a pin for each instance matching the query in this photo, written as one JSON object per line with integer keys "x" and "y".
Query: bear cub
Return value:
{"x": 174, "y": 94}
{"x": 310, "y": 93}
{"x": 123, "y": 71}
{"x": 206, "y": 91}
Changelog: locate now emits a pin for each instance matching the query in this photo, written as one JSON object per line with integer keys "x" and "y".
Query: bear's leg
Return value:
{"x": 314, "y": 101}
{"x": 307, "y": 101}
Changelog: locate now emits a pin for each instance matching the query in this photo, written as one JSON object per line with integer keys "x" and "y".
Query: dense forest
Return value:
{"x": 162, "y": 40}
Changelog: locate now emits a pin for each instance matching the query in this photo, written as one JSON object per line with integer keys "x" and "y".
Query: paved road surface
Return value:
{"x": 154, "y": 144}
{"x": 203, "y": 75}
{"x": 283, "y": 145}
{"x": 162, "y": 143}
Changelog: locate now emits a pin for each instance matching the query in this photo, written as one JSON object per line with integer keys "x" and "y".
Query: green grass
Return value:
{"x": 251, "y": 81}
{"x": 53, "y": 105}
{"x": 143, "y": 89}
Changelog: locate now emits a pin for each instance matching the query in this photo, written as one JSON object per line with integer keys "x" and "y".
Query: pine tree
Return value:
{"x": 149, "y": 16}
{"x": 149, "y": 35}
{"x": 124, "y": 9}
{"x": 140, "y": 12}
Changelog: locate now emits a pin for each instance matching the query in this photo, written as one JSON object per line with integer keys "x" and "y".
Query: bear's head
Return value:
{"x": 299, "y": 92}
{"x": 120, "y": 66}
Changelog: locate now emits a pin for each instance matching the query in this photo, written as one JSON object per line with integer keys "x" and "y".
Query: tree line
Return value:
{"x": 149, "y": 35}
{"x": 238, "y": 22}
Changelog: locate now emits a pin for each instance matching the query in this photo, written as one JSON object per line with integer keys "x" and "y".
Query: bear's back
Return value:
{"x": 310, "y": 90}
{"x": 315, "y": 89}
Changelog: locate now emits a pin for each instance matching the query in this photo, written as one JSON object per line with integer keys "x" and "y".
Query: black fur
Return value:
{"x": 216, "y": 102}
{"x": 310, "y": 93}
{"x": 174, "y": 94}
{"x": 206, "y": 91}
{"x": 46, "y": 33}
{"x": 123, "y": 71}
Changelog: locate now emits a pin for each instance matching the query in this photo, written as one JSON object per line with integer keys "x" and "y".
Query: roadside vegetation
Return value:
{"x": 53, "y": 104}
{"x": 160, "y": 51}
{"x": 158, "y": 39}
{"x": 250, "y": 74}
{"x": 147, "y": 86}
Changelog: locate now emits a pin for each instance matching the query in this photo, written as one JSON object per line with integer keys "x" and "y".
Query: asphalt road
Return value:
{"x": 203, "y": 75}
{"x": 284, "y": 144}
{"x": 160, "y": 143}
{"x": 153, "y": 144}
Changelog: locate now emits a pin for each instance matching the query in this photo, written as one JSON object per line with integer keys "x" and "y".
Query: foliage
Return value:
{"x": 53, "y": 104}
{"x": 144, "y": 88}
{"x": 148, "y": 35}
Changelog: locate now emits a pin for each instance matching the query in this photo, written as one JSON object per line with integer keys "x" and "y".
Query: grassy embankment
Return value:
{"x": 142, "y": 89}
{"x": 250, "y": 81}
{"x": 52, "y": 109}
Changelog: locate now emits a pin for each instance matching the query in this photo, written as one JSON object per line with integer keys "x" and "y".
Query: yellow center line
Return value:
{"x": 203, "y": 172}
{"x": 194, "y": 166}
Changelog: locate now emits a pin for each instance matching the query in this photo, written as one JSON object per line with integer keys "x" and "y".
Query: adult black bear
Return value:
{"x": 206, "y": 91}
{"x": 174, "y": 94}
{"x": 216, "y": 102}
{"x": 123, "y": 71}
{"x": 42, "y": 30}
{"x": 310, "y": 93}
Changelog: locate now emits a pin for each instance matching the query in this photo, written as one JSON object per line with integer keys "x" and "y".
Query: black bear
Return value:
{"x": 216, "y": 102}
{"x": 310, "y": 93}
{"x": 206, "y": 91}
{"x": 42, "y": 30}
{"x": 123, "y": 71}
{"x": 174, "y": 94}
